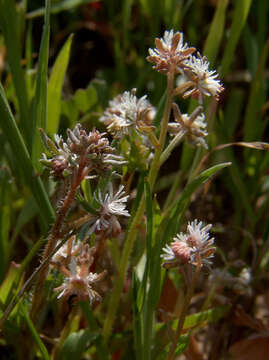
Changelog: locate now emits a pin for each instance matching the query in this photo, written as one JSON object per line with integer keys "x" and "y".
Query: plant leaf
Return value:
{"x": 55, "y": 86}
{"x": 40, "y": 107}
{"x": 23, "y": 161}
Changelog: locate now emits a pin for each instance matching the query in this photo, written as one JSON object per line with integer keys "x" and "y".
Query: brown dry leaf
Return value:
{"x": 168, "y": 297}
{"x": 252, "y": 348}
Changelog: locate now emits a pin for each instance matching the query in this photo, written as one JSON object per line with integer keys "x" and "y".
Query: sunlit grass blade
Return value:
{"x": 9, "y": 26}
{"x": 23, "y": 161}
{"x": 216, "y": 30}
{"x": 40, "y": 107}
{"x": 64, "y": 5}
{"x": 55, "y": 87}
{"x": 35, "y": 335}
{"x": 240, "y": 15}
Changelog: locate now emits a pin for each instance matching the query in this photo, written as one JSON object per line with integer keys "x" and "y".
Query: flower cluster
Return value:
{"x": 126, "y": 113}
{"x": 193, "y": 247}
{"x": 90, "y": 151}
{"x": 170, "y": 53}
{"x": 79, "y": 281}
{"x": 173, "y": 56}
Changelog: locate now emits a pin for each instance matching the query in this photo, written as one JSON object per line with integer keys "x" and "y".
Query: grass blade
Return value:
{"x": 55, "y": 86}
{"x": 39, "y": 119}
{"x": 9, "y": 25}
{"x": 23, "y": 161}
{"x": 240, "y": 15}
{"x": 61, "y": 6}
{"x": 252, "y": 128}
{"x": 35, "y": 335}
{"x": 215, "y": 34}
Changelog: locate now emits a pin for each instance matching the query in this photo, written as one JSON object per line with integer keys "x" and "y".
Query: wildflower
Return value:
{"x": 127, "y": 112}
{"x": 94, "y": 146}
{"x": 79, "y": 281}
{"x": 170, "y": 53}
{"x": 193, "y": 247}
{"x": 89, "y": 151}
{"x": 111, "y": 206}
{"x": 194, "y": 126}
{"x": 203, "y": 82}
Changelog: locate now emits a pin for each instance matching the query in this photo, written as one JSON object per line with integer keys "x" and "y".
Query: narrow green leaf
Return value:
{"x": 61, "y": 6}
{"x": 23, "y": 161}
{"x": 178, "y": 210}
{"x": 8, "y": 24}
{"x": 205, "y": 317}
{"x": 35, "y": 335}
{"x": 201, "y": 318}
{"x": 55, "y": 87}
{"x": 215, "y": 33}
{"x": 240, "y": 15}
{"x": 5, "y": 212}
{"x": 251, "y": 126}
{"x": 40, "y": 108}
{"x": 137, "y": 318}
{"x": 182, "y": 345}
{"x": 8, "y": 284}
{"x": 29, "y": 210}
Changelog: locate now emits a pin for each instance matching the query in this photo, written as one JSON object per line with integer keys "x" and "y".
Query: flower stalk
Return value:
{"x": 131, "y": 235}
{"x": 184, "y": 311}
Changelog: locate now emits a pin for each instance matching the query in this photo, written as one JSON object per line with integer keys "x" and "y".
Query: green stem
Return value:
{"x": 156, "y": 163}
{"x": 131, "y": 235}
{"x": 183, "y": 313}
{"x": 176, "y": 140}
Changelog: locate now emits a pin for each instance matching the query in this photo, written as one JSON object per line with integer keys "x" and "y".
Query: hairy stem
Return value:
{"x": 55, "y": 235}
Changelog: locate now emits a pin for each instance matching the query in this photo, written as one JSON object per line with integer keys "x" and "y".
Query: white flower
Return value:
{"x": 111, "y": 206}
{"x": 113, "y": 203}
{"x": 204, "y": 81}
{"x": 79, "y": 284}
{"x": 170, "y": 52}
{"x": 126, "y": 112}
{"x": 191, "y": 247}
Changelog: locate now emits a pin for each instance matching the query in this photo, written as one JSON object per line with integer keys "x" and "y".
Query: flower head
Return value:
{"x": 193, "y": 247}
{"x": 79, "y": 281}
{"x": 126, "y": 112}
{"x": 203, "y": 82}
{"x": 111, "y": 206}
{"x": 193, "y": 126}
{"x": 90, "y": 150}
{"x": 170, "y": 53}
